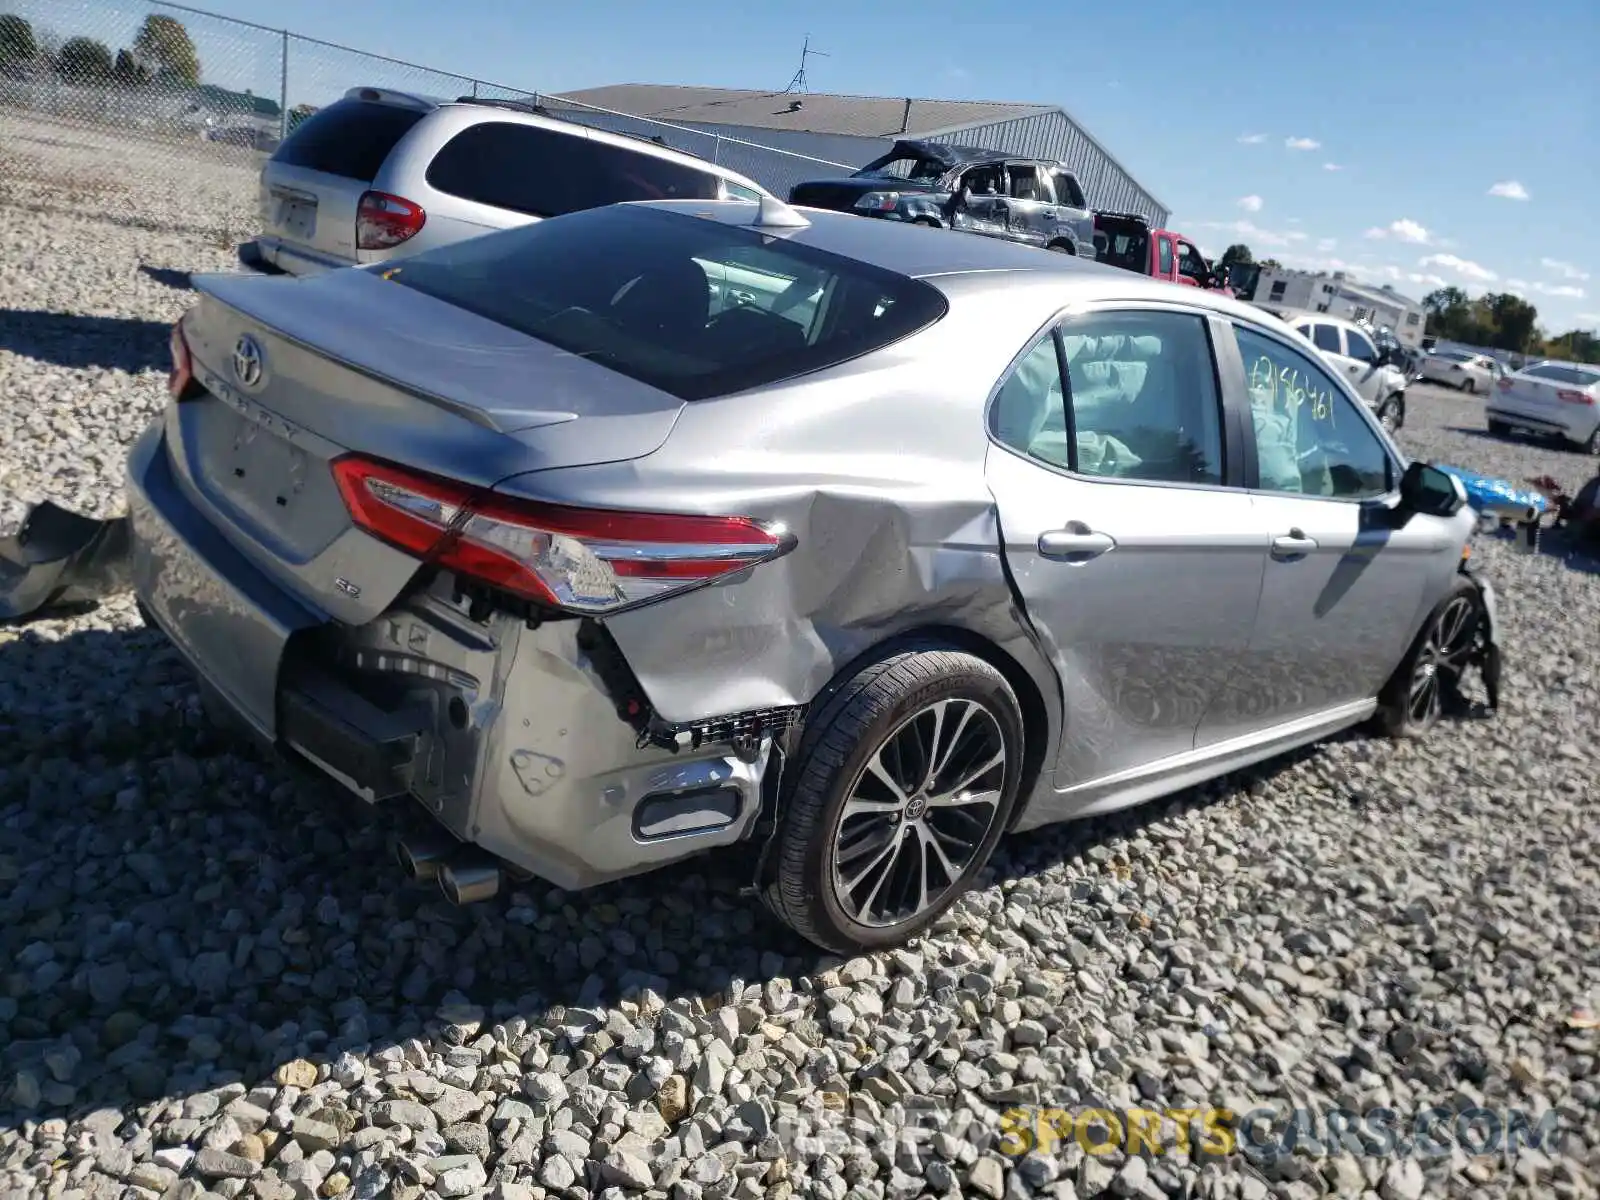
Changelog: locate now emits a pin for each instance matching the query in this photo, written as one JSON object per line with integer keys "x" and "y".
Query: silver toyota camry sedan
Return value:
{"x": 665, "y": 527}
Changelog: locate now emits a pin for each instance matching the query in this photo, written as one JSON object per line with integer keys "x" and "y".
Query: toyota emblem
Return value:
{"x": 247, "y": 363}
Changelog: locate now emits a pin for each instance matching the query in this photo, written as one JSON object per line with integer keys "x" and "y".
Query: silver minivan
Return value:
{"x": 381, "y": 174}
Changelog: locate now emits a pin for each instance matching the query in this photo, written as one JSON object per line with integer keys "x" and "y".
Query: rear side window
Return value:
{"x": 1575, "y": 376}
{"x": 1326, "y": 337}
{"x": 537, "y": 171}
{"x": 688, "y": 305}
{"x": 349, "y": 138}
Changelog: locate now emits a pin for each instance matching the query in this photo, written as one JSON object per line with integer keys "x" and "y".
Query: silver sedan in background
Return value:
{"x": 1471, "y": 373}
{"x": 663, "y": 527}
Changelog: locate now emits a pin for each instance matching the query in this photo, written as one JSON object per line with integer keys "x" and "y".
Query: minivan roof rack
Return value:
{"x": 526, "y": 106}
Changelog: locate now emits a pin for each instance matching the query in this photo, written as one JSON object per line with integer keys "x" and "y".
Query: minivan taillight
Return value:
{"x": 181, "y": 374}
{"x": 577, "y": 559}
{"x": 384, "y": 221}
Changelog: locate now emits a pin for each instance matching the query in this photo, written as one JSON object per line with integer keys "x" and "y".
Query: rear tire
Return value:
{"x": 1499, "y": 428}
{"x": 904, "y": 783}
{"x": 927, "y": 222}
{"x": 1592, "y": 446}
{"x": 1428, "y": 679}
{"x": 1469, "y": 386}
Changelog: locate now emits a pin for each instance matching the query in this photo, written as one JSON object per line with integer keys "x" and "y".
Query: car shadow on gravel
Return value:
{"x": 179, "y": 913}
{"x": 73, "y": 341}
{"x": 180, "y": 281}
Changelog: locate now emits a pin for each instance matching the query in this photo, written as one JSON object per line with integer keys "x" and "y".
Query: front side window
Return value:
{"x": 694, "y": 307}
{"x": 545, "y": 173}
{"x": 1068, "y": 190}
{"x": 1189, "y": 261}
{"x": 1310, "y": 437}
{"x": 1360, "y": 346}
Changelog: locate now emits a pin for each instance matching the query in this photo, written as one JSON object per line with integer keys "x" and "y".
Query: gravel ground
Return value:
{"x": 213, "y": 981}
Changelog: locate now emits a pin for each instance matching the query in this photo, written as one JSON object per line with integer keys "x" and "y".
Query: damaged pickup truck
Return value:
{"x": 899, "y": 544}
{"x": 1033, "y": 201}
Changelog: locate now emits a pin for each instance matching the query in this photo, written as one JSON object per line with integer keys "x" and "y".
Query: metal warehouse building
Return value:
{"x": 854, "y": 130}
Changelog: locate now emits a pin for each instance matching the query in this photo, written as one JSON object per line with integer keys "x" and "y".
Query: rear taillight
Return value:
{"x": 1505, "y": 385}
{"x": 383, "y": 221}
{"x": 1572, "y": 397}
{"x": 580, "y": 560}
{"x": 181, "y": 374}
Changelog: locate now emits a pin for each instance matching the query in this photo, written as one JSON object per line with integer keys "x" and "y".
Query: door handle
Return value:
{"x": 1293, "y": 545}
{"x": 1048, "y": 216}
{"x": 1075, "y": 545}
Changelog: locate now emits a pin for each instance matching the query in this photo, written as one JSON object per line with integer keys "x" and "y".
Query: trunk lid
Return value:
{"x": 297, "y": 372}
{"x": 311, "y": 186}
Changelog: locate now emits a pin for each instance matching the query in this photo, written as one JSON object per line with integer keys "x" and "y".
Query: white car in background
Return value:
{"x": 1349, "y": 349}
{"x": 1471, "y": 373}
{"x": 1551, "y": 397}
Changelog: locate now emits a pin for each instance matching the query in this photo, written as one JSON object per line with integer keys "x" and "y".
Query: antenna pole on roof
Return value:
{"x": 798, "y": 83}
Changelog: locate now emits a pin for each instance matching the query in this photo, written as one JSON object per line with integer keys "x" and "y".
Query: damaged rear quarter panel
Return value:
{"x": 877, "y": 467}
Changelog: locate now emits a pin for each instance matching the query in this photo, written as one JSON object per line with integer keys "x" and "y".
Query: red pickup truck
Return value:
{"x": 1126, "y": 240}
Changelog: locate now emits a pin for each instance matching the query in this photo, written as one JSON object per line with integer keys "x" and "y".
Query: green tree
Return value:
{"x": 17, "y": 43}
{"x": 1237, "y": 253}
{"x": 1513, "y": 320}
{"x": 1271, "y": 264}
{"x": 84, "y": 60}
{"x": 164, "y": 47}
{"x": 128, "y": 70}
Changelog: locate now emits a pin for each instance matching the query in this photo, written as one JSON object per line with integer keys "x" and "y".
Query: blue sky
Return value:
{"x": 1421, "y": 144}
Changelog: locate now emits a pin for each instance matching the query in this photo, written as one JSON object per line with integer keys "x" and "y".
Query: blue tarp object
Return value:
{"x": 1498, "y": 496}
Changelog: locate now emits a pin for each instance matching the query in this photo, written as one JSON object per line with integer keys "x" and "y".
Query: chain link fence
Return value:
{"x": 159, "y": 116}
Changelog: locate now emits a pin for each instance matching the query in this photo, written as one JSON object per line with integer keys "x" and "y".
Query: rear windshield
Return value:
{"x": 691, "y": 306}
{"x": 1576, "y": 376}
{"x": 349, "y": 138}
{"x": 923, "y": 168}
{"x": 528, "y": 169}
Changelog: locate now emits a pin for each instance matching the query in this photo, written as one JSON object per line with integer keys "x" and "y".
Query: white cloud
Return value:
{"x": 1463, "y": 267}
{"x": 1252, "y": 139}
{"x": 1564, "y": 269}
{"x": 1250, "y": 203}
{"x": 1302, "y": 143}
{"x": 1595, "y": 317}
{"x": 1509, "y": 189}
{"x": 1332, "y": 167}
{"x": 1324, "y": 245}
{"x": 1559, "y": 289}
{"x": 1429, "y": 281}
{"x": 1403, "y": 230}
{"x": 1249, "y": 231}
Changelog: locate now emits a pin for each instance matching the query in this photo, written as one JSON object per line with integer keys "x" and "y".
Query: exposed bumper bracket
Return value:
{"x": 59, "y": 557}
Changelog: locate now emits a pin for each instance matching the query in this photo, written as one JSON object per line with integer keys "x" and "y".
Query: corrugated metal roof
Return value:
{"x": 802, "y": 112}
{"x": 1373, "y": 292}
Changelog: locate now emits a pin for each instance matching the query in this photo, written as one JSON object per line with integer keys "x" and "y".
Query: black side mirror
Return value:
{"x": 1427, "y": 490}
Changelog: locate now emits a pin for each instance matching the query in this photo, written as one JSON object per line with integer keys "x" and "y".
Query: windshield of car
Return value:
{"x": 916, "y": 167}
{"x": 692, "y": 306}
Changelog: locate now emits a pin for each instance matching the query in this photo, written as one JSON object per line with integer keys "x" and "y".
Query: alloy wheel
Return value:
{"x": 918, "y": 812}
{"x": 1390, "y": 418}
{"x": 1442, "y": 657}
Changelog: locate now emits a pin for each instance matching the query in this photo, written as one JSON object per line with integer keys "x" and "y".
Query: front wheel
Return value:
{"x": 904, "y": 783}
{"x": 1392, "y": 416}
{"x": 1429, "y": 677}
{"x": 1062, "y": 247}
{"x": 1469, "y": 387}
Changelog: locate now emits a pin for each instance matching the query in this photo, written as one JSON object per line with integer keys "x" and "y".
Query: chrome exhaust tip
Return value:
{"x": 421, "y": 860}
{"x": 469, "y": 878}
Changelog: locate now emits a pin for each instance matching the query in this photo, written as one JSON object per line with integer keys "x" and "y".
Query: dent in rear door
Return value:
{"x": 1146, "y": 623}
